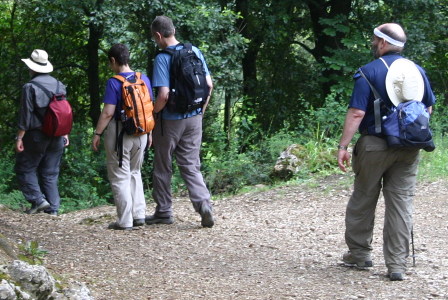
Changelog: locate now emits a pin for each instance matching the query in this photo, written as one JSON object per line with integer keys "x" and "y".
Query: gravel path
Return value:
{"x": 283, "y": 243}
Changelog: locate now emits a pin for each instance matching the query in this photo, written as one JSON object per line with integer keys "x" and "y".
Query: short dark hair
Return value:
{"x": 163, "y": 25}
{"x": 120, "y": 53}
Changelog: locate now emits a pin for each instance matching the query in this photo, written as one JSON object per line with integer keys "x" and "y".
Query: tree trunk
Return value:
{"x": 95, "y": 34}
{"x": 227, "y": 115}
{"x": 320, "y": 9}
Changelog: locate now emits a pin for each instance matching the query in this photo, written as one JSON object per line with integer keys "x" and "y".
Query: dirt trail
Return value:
{"x": 283, "y": 243}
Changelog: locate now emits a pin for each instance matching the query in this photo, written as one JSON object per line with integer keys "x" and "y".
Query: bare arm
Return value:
{"x": 352, "y": 120}
{"x": 162, "y": 98}
{"x": 210, "y": 85}
{"x": 106, "y": 115}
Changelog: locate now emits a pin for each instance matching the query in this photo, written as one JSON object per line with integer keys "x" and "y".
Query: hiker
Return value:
{"x": 376, "y": 166}
{"x": 125, "y": 180}
{"x": 177, "y": 134}
{"x": 38, "y": 155}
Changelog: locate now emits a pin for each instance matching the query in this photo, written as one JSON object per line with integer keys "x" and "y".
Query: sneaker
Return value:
{"x": 153, "y": 219}
{"x": 38, "y": 208}
{"x": 115, "y": 226}
{"x": 207, "y": 216}
{"x": 396, "y": 276}
{"x": 350, "y": 261}
{"x": 138, "y": 222}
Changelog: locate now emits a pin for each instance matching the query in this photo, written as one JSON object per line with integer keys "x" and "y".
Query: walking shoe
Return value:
{"x": 207, "y": 216}
{"x": 138, "y": 222}
{"x": 38, "y": 208}
{"x": 115, "y": 226}
{"x": 153, "y": 219}
{"x": 350, "y": 261}
{"x": 396, "y": 276}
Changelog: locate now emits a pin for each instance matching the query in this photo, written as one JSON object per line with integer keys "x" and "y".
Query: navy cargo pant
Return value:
{"x": 394, "y": 171}
{"x": 37, "y": 168}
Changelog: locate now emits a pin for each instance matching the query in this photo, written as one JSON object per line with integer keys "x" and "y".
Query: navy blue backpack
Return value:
{"x": 407, "y": 125}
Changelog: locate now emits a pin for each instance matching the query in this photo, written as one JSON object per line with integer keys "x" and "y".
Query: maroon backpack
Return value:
{"x": 58, "y": 118}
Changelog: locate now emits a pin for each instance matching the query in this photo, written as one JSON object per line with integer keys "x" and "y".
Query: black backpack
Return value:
{"x": 188, "y": 86}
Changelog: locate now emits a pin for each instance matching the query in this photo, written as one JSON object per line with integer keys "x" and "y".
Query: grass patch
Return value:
{"x": 434, "y": 165}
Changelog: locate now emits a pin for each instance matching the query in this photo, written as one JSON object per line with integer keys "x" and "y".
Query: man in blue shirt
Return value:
{"x": 176, "y": 134}
{"x": 376, "y": 166}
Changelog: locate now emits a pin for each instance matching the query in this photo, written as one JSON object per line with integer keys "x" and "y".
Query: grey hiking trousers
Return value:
{"x": 126, "y": 182}
{"x": 182, "y": 139}
{"x": 394, "y": 170}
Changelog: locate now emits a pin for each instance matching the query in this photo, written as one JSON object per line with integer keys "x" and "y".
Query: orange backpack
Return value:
{"x": 137, "y": 106}
{"x": 136, "y": 112}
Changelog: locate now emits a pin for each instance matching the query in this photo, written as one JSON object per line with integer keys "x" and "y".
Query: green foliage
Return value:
{"x": 32, "y": 253}
{"x": 83, "y": 177}
{"x": 434, "y": 165}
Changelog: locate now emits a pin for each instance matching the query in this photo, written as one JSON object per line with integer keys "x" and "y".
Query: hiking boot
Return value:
{"x": 350, "y": 261}
{"x": 207, "y": 216}
{"x": 396, "y": 276}
{"x": 38, "y": 208}
{"x": 138, "y": 222}
{"x": 153, "y": 219}
{"x": 115, "y": 226}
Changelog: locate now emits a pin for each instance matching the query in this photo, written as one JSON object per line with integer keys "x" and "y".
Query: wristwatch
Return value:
{"x": 340, "y": 147}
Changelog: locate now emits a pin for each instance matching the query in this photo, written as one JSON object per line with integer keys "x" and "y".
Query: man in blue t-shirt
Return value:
{"x": 176, "y": 134}
{"x": 376, "y": 166}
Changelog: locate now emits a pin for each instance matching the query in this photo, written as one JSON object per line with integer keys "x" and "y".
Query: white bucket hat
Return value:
{"x": 38, "y": 62}
{"x": 404, "y": 82}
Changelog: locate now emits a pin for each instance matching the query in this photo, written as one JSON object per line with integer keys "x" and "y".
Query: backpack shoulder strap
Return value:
{"x": 384, "y": 62}
{"x": 375, "y": 92}
{"x": 376, "y": 104}
{"x": 119, "y": 77}
{"x": 47, "y": 92}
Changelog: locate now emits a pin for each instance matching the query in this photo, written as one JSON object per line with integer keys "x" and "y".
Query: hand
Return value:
{"x": 66, "y": 140}
{"x": 343, "y": 160}
{"x": 96, "y": 140}
{"x": 19, "y": 146}
{"x": 150, "y": 140}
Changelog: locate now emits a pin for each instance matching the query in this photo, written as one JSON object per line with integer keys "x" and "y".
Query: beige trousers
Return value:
{"x": 126, "y": 182}
{"x": 394, "y": 171}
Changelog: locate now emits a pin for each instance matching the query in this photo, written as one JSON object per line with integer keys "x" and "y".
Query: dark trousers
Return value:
{"x": 37, "y": 168}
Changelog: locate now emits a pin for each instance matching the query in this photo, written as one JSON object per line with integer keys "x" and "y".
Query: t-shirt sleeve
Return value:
{"x": 360, "y": 94}
{"x": 429, "y": 99}
{"x": 112, "y": 95}
{"x": 161, "y": 71}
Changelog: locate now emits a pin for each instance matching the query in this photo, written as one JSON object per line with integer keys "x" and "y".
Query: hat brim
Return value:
{"x": 414, "y": 87}
{"x": 38, "y": 68}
